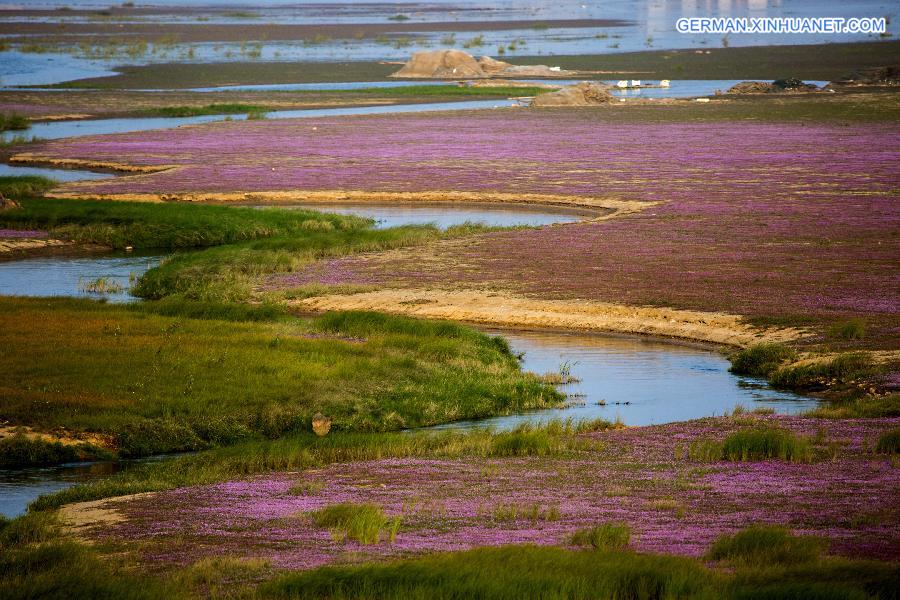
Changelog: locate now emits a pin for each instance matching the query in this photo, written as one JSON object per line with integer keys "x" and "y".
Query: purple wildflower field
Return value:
{"x": 19, "y": 233}
{"x": 754, "y": 218}
{"x": 641, "y": 476}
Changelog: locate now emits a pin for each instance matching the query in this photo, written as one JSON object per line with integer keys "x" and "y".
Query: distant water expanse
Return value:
{"x": 650, "y": 26}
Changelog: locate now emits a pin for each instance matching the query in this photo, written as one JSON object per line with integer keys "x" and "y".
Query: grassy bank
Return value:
{"x": 846, "y": 379}
{"x": 142, "y": 225}
{"x": 216, "y": 375}
{"x": 305, "y": 451}
{"x": 231, "y": 272}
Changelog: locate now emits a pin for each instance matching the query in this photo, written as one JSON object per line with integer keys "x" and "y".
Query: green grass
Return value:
{"x": 306, "y": 451}
{"x": 608, "y": 536}
{"x": 230, "y": 273}
{"x": 38, "y": 561}
{"x": 764, "y": 545}
{"x": 843, "y": 369}
{"x": 509, "y": 572}
{"x": 889, "y": 442}
{"x": 19, "y": 186}
{"x": 761, "y": 360}
{"x": 859, "y": 408}
{"x": 161, "y": 383}
{"x": 209, "y": 109}
{"x": 166, "y": 225}
{"x": 851, "y": 329}
{"x": 13, "y": 122}
{"x": 754, "y": 443}
{"x": 21, "y": 451}
{"x": 364, "y": 523}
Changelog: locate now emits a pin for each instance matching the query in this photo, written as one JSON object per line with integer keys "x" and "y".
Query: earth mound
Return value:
{"x": 440, "y": 64}
{"x": 456, "y": 64}
{"x": 779, "y": 86}
{"x": 581, "y": 94}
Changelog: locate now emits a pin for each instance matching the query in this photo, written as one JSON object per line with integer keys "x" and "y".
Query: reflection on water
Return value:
{"x": 20, "y": 487}
{"x": 641, "y": 381}
{"x": 448, "y": 215}
{"x": 70, "y": 275}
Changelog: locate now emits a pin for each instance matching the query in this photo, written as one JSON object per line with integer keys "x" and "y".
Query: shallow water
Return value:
{"x": 67, "y": 129}
{"x": 52, "y": 130}
{"x": 446, "y": 215}
{"x": 661, "y": 382}
{"x": 19, "y": 487}
{"x": 57, "y": 174}
{"x": 647, "y": 25}
{"x": 67, "y": 275}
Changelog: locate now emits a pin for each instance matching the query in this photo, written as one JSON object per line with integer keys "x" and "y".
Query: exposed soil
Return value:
{"x": 503, "y": 309}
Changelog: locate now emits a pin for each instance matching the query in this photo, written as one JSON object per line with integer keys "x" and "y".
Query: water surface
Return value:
{"x": 46, "y": 276}
{"x": 52, "y": 130}
{"x": 447, "y": 215}
{"x": 641, "y": 381}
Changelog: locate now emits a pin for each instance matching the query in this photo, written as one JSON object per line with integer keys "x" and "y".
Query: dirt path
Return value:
{"x": 505, "y": 310}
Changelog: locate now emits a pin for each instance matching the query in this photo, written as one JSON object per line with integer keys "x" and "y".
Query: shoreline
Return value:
{"x": 502, "y": 310}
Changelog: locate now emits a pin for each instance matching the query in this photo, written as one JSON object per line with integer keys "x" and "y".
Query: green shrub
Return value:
{"x": 761, "y": 360}
{"x": 766, "y": 545}
{"x": 608, "y": 536}
{"x": 889, "y": 442}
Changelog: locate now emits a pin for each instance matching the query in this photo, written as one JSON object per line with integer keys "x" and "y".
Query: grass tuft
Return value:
{"x": 608, "y": 536}
{"x": 889, "y": 442}
{"x": 761, "y": 360}
{"x": 753, "y": 444}
{"x": 852, "y": 329}
{"x": 766, "y": 545}
{"x": 13, "y": 122}
{"x": 363, "y": 523}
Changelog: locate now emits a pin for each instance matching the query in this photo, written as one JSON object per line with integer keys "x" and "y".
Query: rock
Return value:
{"x": 7, "y": 204}
{"x": 321, "y": 424}
{"x": 441, "y": 64}
{"x": 581, "y": 94}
